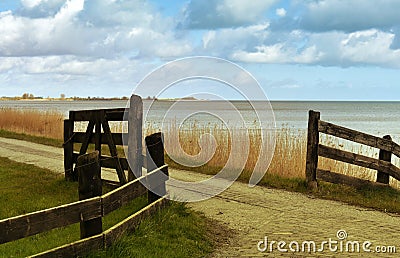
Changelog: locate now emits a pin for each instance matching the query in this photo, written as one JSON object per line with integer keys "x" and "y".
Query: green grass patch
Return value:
{"x": 26, "y": 188}
{"x": 383, "y": 198}
{"x": 32, "y": 138}
{"x": 173, "y": 232}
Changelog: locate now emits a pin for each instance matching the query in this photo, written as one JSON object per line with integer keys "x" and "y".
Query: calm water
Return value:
{"x": 378, "y": 118}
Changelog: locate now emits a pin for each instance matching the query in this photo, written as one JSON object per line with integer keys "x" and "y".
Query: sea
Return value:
{"x": 374, "y": 117}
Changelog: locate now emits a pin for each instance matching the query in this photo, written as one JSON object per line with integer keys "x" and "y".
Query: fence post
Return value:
{"x": 383, "y": 177}
{"x": 97, "y": 130}
{"x": 68, "y": 150}
{"x": 135, "y": 120}
{"x": 155, "y": 159}
{"x": 312, "y": 149}
{"x": 89, "y": 178}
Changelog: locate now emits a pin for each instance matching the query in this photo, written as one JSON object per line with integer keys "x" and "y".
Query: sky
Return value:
{"x": 296, "y": 50}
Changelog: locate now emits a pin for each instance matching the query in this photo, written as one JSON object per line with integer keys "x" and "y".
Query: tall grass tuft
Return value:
{"x": 33, "y": 122}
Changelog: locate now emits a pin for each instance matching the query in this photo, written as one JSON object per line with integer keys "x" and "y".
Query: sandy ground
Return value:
{"x": 256, "y": 214}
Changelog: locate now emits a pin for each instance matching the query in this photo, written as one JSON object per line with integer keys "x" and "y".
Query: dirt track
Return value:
{"x": 256, "y": 213}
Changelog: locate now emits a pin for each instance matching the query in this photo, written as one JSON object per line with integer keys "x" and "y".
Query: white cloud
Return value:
{"x": 30, "y": 3}
{"x": 350, "y": 16}
{"x": 99, "y": 44}
{"x": 370, "y": 47}
{"x": 82, "y": 28}
{"x": 81, "y": 76}
{"x": 279, "y": 53}
{"x": 245, "y": 11}
{"x": 214, "y": 14}
{"x": 43, "y": 36}
{"x": 224, "y": 41}
{"x": 39, "y": 8}
{"x": 281, "y": 12}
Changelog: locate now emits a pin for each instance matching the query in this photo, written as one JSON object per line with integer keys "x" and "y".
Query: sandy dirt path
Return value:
{"x": 255, "y": 214}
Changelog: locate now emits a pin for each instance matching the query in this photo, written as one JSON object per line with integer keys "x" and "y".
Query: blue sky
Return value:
{"x": 297, "y": 50}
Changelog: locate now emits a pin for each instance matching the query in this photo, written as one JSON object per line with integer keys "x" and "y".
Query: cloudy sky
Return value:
{"x": 304, "y": 50}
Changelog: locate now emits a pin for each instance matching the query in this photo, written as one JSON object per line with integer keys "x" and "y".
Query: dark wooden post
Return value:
{"x": 312, "y": 149}
{"x": 155, "y": 159}
{"x": 68, "y": 149}
{"x": 135, "y": 121}
{"x": 88, "y": 167}
{"x": 97, "y": 131}
{"x": 382, "y": 177}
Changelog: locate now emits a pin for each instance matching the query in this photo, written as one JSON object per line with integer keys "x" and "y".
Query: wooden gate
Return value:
{"x": 98, "y": 132}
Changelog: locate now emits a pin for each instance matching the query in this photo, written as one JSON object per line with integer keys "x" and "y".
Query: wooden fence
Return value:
{"x": 93, "y": 206}
{"x": 89, "y": 212}
{"x": 383, "y": 165}
{"x": 98, "y": 132}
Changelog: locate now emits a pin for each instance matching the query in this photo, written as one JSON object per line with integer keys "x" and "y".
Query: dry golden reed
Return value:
{"x": 288, "y": 161}
{"x": 33, "y": 122}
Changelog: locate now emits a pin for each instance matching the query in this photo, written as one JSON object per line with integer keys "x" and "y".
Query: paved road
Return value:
{"x": 256, "y": 214}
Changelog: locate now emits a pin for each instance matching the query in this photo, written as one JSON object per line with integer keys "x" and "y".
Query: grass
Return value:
{"x": 43, "y": 187}
{"x": 382, "y": 198}
{"x": 32, "y": 138}
{"x": 26, "y": 188}
{"x": 173, "y": 232}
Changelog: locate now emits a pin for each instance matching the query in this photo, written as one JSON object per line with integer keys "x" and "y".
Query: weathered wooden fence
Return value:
{"x": 383, "y": 165}
{"x": 98, "y": 132}
{"x": 89, "y": 212}
{"x": 93, "y": 206}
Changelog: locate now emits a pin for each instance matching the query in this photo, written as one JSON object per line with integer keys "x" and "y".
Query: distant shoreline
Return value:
{"x": 186, "y": 99}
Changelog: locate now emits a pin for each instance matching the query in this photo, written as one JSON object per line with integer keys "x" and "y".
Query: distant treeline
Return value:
{"x": 30, "y": 96}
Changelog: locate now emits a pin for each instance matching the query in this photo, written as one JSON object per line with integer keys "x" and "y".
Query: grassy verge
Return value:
{"x": 173, "y": 232}
{"x": 32, "y": 138}
{"x": 26, "y": 188}
{"x": 383, "y": 198}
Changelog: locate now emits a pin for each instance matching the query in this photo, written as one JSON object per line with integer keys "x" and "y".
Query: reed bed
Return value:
{"x": 183, "y": 145}
{"x": 33, "y": 122}
{"x": 289, "y": 156}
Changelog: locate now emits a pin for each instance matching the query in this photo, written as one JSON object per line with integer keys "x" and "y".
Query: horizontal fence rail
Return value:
{"x": 118, "y": 138}
{"x": 110, "y": 162}
{"x": 41, "y": 221}
{"x": 105, "y": 239}
{"x": 37, "y": 222}
{"x": 336, "y": 178}
{"x": 383, "y": 165}
{"x": 114, "y": 114}
{"x": 359, "y": 160}
{"x": 359, "y": 137}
